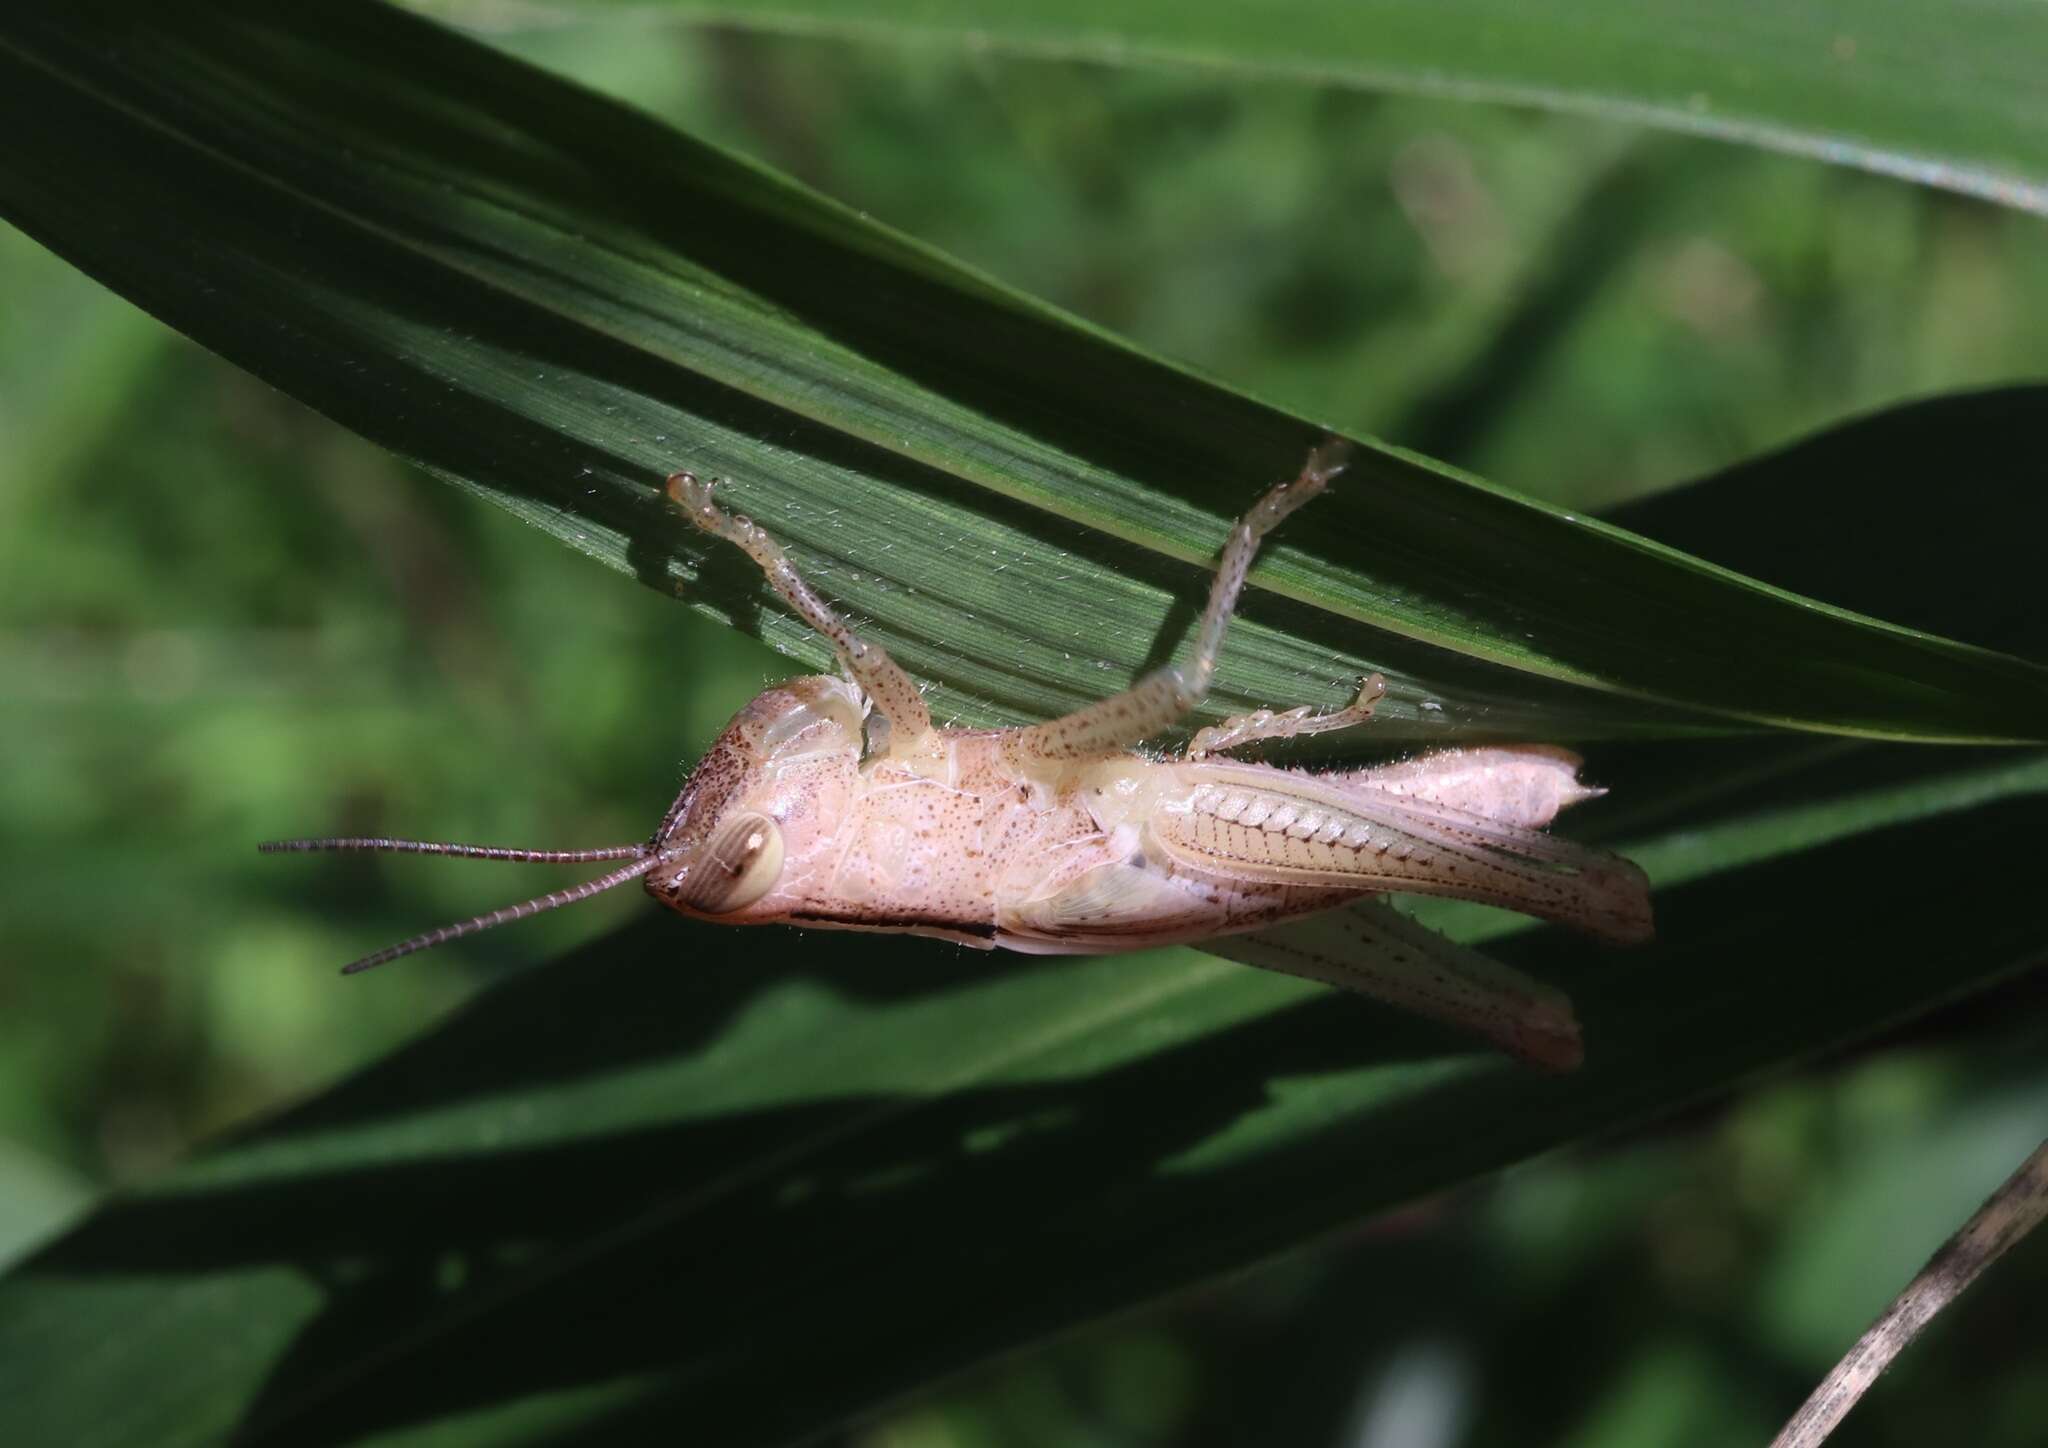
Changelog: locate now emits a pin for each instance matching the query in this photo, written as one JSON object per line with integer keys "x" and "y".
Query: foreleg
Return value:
{"x": 884, "y": 681}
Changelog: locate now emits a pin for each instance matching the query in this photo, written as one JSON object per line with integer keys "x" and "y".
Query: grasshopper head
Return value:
{"x": 778, "y": 774}
{"x": 768, "y": 784}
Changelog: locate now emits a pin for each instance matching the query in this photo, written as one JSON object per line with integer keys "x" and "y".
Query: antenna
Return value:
{"x": 467, "y": 852}
{"x": 644, "y": 859}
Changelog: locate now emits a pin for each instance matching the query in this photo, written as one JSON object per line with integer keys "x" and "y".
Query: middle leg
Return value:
{"x": 1166, "y": 695}
{"x": 1242, "y": 729}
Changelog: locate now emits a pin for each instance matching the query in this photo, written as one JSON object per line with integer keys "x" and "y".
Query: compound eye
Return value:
{"x": 736, "y": 866}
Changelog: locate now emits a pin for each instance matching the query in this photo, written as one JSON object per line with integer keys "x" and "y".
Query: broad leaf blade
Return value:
{"x": 555, "y": 300}
{"x": 1945, "y": 95}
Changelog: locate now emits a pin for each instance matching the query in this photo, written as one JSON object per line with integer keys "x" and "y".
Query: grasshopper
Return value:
{"x": 833, "y": 801}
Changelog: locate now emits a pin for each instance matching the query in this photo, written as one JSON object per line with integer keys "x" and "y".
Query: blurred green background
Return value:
{"x": 223, "y": 620}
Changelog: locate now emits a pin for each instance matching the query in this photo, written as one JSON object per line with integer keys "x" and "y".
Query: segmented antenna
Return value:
{"x": 468, "y": 852}
{"x": 644, "y": 859}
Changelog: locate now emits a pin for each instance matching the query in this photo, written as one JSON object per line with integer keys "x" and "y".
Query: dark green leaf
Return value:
{"x": 556, "y": 301}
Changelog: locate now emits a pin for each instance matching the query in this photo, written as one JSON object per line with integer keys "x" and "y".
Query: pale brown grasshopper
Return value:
{"x": 834, "y": 801}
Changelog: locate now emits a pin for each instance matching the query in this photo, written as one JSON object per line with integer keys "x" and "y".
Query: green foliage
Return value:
{"x": 1926, "y": 92}
{"x": 631, "y": 1189}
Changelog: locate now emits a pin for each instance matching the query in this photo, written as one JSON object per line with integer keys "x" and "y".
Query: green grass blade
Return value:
{"x": 1944, "y": 95}
{"x": 555, "y": 301}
